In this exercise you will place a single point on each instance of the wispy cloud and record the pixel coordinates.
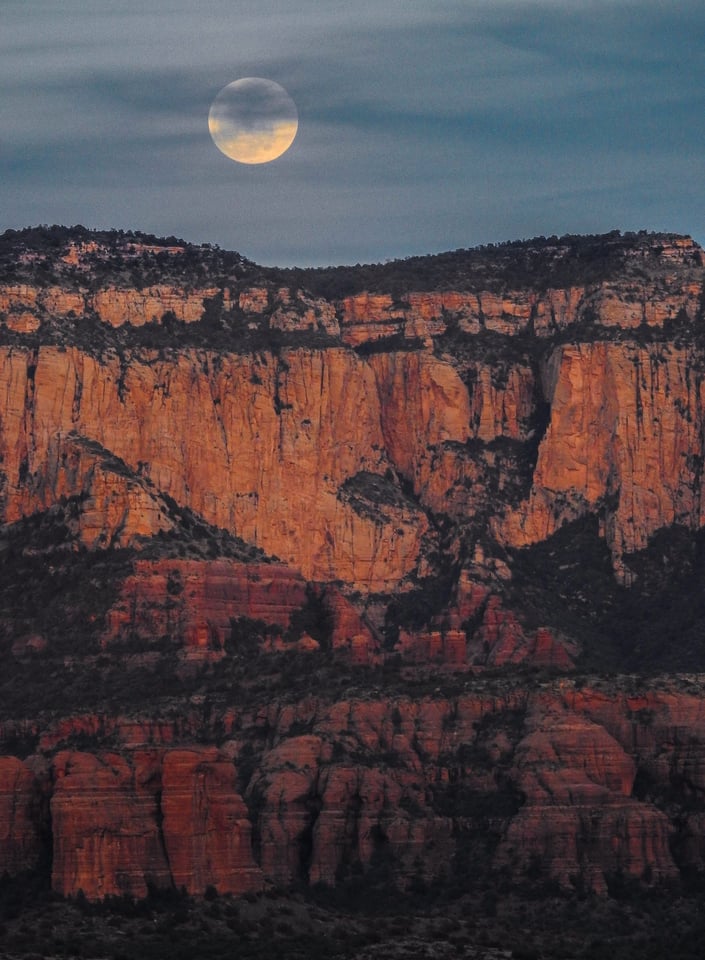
(422, 126)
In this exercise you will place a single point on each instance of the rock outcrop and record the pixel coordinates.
(280, 432)
(640, 466)
(573, 783)
(263, 566)
(257, 444)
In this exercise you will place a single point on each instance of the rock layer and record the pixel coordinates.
(259, 445)
(557, 775)
(277, 514)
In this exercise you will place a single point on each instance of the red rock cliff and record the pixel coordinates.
(261, 568)
(556, 775)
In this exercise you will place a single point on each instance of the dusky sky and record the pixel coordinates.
(423, 126)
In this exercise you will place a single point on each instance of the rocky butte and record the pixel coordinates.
(393, 571)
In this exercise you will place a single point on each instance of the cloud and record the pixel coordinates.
(421, 126)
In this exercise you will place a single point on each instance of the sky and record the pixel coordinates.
(424, 125)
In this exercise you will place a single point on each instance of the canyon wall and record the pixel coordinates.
(264, 445)
(265, 615)
(579, 780)
(263, 442)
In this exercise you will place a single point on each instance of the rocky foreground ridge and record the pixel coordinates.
(390, 570)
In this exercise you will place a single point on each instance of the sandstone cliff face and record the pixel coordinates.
(581, 822)
(266, 460)
(624, 439)
(207, 831)
(24, 307)
(352, 684)
(104, 826)
(259, 445)
(210, 609)
(279, 433)
(347, 465)
(112, 305)
(578, 781)
(624, 304)
(196, 602)
(123, 823)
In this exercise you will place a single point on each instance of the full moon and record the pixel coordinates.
(253, 120)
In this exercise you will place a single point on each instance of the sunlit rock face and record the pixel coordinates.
(312, 572)
(625, 430)
(262, 442)
(258, 444)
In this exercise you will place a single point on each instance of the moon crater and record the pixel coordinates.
(253, 120)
